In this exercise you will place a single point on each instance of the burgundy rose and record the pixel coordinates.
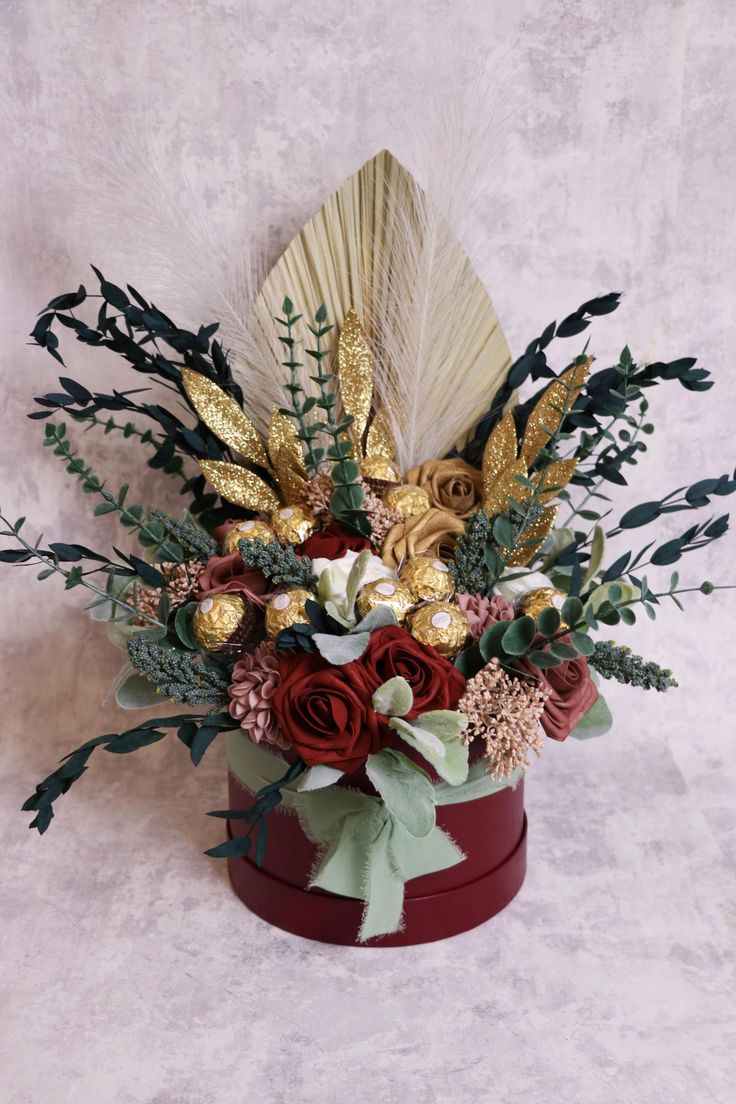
(229, 575)
(331, 543)
(571, 691)
(326, 711)
(483, 612)
(392, 653)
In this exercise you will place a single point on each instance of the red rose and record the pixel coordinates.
(331, 543)
(435, 682)
(572, 693)
(229, 575)
(326, 711)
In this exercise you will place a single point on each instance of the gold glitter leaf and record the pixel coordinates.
(533, 537)
(498, 455)
(507, 487)
(379, 441)
(285, 451)
(223, 416)
(355, 376)
(546, 415)
(240, 486)
(557, 475)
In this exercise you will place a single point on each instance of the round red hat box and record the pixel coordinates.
(491, 831)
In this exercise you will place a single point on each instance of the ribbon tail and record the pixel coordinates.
(383, 889)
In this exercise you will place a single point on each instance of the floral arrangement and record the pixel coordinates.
(359, 612)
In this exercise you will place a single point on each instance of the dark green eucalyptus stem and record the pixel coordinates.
(74, 577)
(348, 496)
(300, 409)
(132, 517)
(145, 436)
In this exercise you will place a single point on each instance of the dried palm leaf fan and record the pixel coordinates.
(381, 248)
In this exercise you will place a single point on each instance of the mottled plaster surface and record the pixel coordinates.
(131, 975)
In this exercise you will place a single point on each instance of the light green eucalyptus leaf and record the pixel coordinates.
(601, 593)
(405, 789)
(596, 722)
(394, 698)
(435, 736)
(339, 650)
(377, 618)
(318, 778)
(137, 692)
(597, 552)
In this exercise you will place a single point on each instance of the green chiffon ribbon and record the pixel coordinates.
(365, 852)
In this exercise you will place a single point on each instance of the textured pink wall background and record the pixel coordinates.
(131, 974)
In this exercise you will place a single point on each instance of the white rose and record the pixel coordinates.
(334, 575)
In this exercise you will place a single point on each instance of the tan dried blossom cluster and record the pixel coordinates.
(181, 579)
(504, 712)
(380, 516)
(317, 499)
(317, 496)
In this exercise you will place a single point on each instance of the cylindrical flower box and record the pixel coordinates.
(491, 831)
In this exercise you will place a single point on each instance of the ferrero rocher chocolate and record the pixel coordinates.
(428, 579)
(223, 623)
(535, 601)
(247, 530)
(287, 609)
(442, 625)
(407, 500)
(378, 467)
(293, 524)
(386, 592)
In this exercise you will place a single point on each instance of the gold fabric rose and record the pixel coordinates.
(434, 533)
(451, 484)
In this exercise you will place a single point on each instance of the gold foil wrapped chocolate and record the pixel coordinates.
(428, 579)
(380, 469)
(442, 625)
(386, 592)
(535, 601)
(287, 609)
(293, 524)
(407, 500)
(247, 530)
(223, 623)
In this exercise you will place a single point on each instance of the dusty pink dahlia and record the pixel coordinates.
(484, 612)
(255, 679)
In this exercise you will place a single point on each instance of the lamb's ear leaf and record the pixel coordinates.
(596, 722)
(339, 650)
(377, 618)
(394, 698)
(406, 790)
(355, 578)
(436, 737)
(318, 778)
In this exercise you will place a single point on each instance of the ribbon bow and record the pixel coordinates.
(367, 853)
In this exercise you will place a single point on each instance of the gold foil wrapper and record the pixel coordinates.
(355, 376)
(293, 524)
(238, 485)
(535, 601)
(386, 592)
(222, 622)
(223, 416)
(442, 625)
(287, 609)
(379, 468)
(407, 500)
(428, 579)
(247, 530)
